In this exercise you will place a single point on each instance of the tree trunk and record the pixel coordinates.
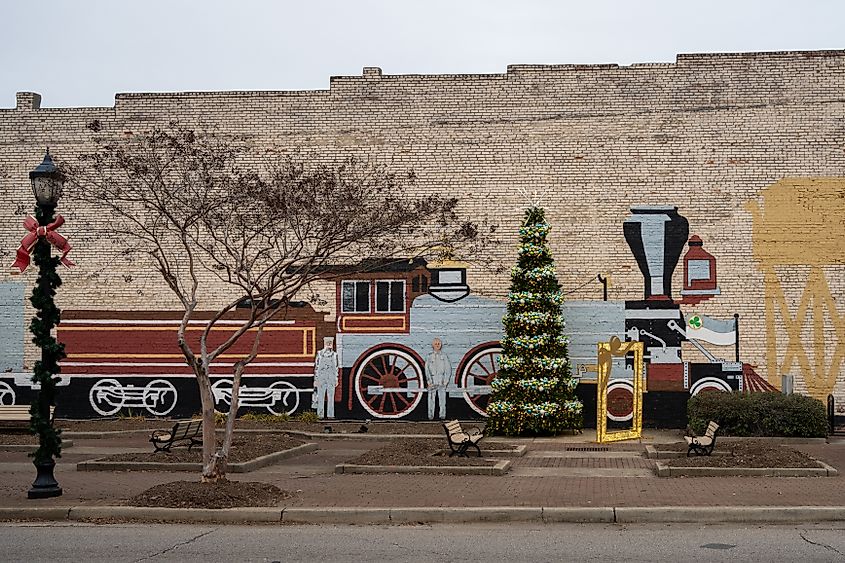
(223, 455)
(211, 471)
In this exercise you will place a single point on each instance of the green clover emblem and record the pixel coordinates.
(695, 322)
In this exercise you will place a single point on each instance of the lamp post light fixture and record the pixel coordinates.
(47, 184)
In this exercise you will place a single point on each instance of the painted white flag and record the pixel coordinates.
(714, 331)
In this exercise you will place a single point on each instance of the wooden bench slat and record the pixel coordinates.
(184, 430)
(18, 413)
(460, 440)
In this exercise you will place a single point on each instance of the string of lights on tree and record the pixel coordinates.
(534, 391)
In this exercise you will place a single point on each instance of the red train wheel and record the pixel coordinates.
(620, 400)
(393, 369)
(480, 368)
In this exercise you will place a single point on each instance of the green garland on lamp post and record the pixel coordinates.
(47, 183)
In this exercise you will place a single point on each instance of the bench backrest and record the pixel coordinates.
(711, 429)
(17, 412)
(453, 427)
(186, 429)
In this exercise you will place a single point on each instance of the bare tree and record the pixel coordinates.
(186, 200)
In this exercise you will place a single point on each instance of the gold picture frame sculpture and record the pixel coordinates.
(606, 352)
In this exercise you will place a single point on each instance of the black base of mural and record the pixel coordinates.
(178, 398)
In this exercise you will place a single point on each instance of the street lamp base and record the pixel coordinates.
(45, 485)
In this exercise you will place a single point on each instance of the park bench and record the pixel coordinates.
(183, 431)
(703, 445)
(17, 416)
(461, 440)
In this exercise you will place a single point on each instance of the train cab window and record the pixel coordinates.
(356, 297)
(390, 296)
(419, 284)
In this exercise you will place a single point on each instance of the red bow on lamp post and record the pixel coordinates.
(36, 231)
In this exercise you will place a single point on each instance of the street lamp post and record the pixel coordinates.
(47, 184)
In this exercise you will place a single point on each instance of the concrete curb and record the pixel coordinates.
(653, 453)
(30, 447)
(664, 470)
(500, 468)
(222, 515)
(93, 435)
(719, 514)
(245, 467)
(519, 451)
(420, 515)
(345, 435)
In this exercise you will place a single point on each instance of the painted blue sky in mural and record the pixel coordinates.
(80, 53)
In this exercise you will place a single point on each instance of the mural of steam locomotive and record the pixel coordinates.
(386, 322)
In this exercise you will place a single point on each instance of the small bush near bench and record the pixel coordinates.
(758, 414)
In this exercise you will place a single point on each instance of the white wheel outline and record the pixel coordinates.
(493, 348)
(294, 392)
(612, 386)
(709, 383)
(167, 386)
(116, 386)
(412, 361)
(222, 384)
(6, 391)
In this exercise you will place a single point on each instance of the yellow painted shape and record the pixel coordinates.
(801, 222)
(606, 352)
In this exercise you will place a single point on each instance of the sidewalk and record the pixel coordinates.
(551, 476)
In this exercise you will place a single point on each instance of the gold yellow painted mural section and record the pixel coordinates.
(801, 222)
(606, 352)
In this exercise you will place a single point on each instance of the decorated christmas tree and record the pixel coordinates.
(534, 391)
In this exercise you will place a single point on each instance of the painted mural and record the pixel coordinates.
(411, 341)
(799, 226)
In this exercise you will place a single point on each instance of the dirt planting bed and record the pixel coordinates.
(18, 439)
(113, 424)
(745, 453)
(435, 428)
(269, 423)
(416, 452)
(244, 448)
(223, 494)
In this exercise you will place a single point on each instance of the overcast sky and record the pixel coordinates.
(81, 52)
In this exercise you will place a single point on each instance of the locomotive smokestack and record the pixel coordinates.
(656, 235)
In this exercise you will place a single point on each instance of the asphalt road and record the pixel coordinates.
(91, 543)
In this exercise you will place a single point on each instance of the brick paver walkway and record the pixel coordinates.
(549, 476)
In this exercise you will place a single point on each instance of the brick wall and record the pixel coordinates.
(708, 134)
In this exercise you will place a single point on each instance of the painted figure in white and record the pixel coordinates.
(438, 371)
(325, 379)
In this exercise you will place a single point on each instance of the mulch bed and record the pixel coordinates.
(106, 424)
(415, 452)
(222, 494)
(375, 427)
(18, 439)
(748, 453)
(337, 427)
(243, 449)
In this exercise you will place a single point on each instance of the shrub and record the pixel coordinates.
(758, 414)
(307, 416)
(266, 417)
